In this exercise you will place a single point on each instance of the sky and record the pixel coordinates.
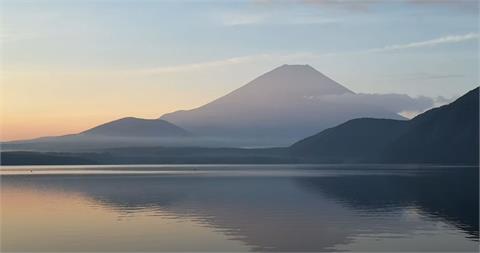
(68, 65)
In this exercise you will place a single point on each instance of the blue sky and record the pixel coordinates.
(167, 55)
(127, 34)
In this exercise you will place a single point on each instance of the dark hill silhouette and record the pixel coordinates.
(135, 127)
(447, 134)
(124, 132)
(352, 141)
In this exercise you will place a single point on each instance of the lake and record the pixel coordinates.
(240, 208)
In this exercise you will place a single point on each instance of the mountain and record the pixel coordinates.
(279, 107)
(125, 132)
(447, 134)
(444, 135)
(352, 141)
(135, 127)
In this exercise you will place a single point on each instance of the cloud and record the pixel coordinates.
(440, 100)
(391, 102)
(429, 76)
(410, 114)
(342, 4)
(368, 5)
(310, 20)
(465, 5)
(402, 104)
(236, 19)
(305, 57)
(225, 62)
(201, 65)
(436, 102)
(427, 43)
(422, 76)
(272, 18)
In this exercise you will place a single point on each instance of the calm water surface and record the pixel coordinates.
(239, 208)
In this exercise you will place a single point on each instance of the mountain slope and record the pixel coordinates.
(448, 134)
(125, 132)
(135, 127)
(277, 108)
(352, 141)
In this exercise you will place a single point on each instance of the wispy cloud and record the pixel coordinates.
(392, 102)
(308, 56)
(411, 112)
(415, 76)
(244, 19)
(235, 19)
(306, 20)
(201, 65)
(226, 62)
(427, 43)
(369, 5)
(403, 104)
(429, 76)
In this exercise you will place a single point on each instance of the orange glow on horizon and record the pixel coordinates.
(18, 129)
(42, 103)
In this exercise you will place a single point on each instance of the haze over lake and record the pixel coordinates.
(240, 208)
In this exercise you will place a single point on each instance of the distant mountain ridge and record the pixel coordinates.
(136, 127)
(279, 107)
(444, 135)
(447, 134)
(124, 132)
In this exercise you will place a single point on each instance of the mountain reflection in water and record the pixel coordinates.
(431, 208)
